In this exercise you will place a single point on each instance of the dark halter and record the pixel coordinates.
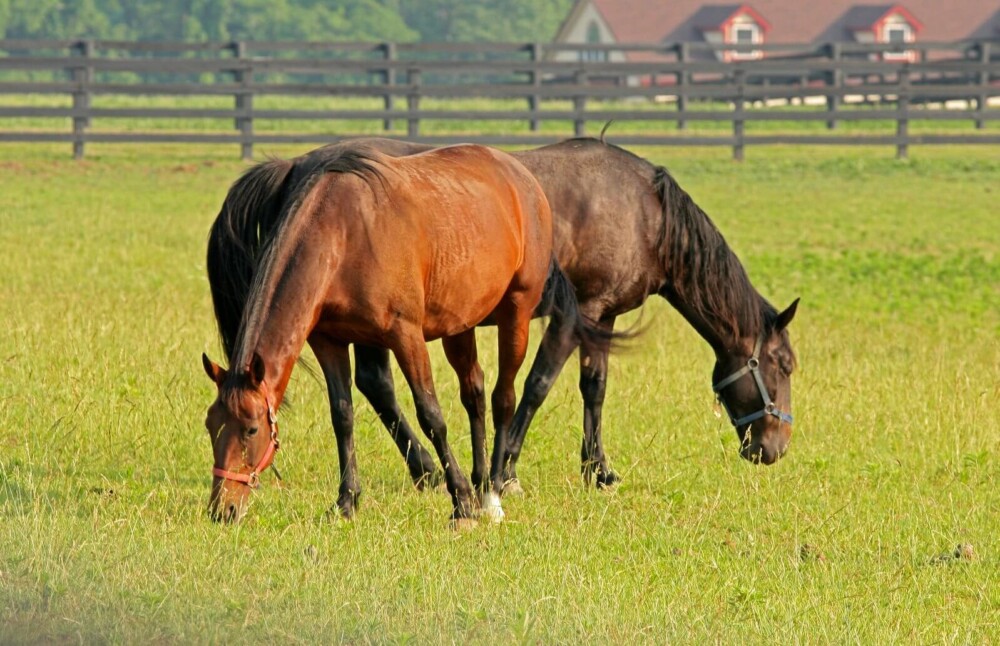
(752, 367)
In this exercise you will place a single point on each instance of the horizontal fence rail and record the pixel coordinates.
(403, 86)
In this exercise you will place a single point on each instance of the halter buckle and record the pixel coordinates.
(253, 480)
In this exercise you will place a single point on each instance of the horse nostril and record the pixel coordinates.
(230, 513)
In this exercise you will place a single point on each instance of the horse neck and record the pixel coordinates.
(282, 309)
(705, 281)
(716, 332)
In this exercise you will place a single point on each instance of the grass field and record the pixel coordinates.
(655, 125)
(104, 462)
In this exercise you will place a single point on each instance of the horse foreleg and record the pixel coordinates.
(462, 355)
(593, 381)
(411, 353)
(556, 346)
(335, 360)
(373, 376)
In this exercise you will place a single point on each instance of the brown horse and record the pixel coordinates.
(386, 252)
(623, 230)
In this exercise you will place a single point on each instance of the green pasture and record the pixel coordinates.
(895, 459)
(654, 125)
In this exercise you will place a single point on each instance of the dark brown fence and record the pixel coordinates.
(660, 88)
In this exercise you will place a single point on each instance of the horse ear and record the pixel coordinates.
(256, 372)
(786, 317)
(212, 369)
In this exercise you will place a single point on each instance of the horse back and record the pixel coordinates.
(435, 238)
(608, 221)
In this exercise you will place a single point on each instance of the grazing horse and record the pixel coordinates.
(386, 252)
(623, 230)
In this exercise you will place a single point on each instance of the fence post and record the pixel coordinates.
(579, 105)
(739, 76)
(683, 80)
(536, 80)
(82, 77)
(984, 82)
(835, 80)
(902, 106)
(244, 100)
(413, 103)
(389, 80)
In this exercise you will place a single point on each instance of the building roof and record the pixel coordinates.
(792, 21)
(716, 16)
(989, 28)
(866, 18)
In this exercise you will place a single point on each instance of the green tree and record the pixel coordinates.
(489, 20)
(294, 20)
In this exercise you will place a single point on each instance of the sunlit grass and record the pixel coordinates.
(104, 463)
(661, 120)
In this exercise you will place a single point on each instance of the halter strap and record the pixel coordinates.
(752, 367)
(252, 479)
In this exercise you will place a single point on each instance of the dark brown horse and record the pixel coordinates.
(386, 252)
(623, 230)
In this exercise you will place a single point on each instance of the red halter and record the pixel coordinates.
(252, 479)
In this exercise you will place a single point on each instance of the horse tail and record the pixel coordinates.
(559, 302)
(246, 221)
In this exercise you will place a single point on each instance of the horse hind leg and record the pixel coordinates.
(593, 382)
(335, 360)
(373, 376)
(411, 353)
(463, 356)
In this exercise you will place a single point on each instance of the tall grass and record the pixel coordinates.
(104, 463)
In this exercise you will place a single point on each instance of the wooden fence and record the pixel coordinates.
(669, 86)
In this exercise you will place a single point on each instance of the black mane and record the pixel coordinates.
(702, 271)
(249, 227)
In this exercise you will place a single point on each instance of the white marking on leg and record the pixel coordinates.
(490, 505)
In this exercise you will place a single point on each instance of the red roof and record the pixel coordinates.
(863, 18)
(790, 21)
(728, 14)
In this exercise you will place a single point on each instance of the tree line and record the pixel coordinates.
(285, 20)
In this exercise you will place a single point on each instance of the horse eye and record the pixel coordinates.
(251, 431)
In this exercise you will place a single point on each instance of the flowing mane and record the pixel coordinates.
(265, 281)
(702, 271)
(250, 229)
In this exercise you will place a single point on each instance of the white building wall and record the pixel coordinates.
(577, 33)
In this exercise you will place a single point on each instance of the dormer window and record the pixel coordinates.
(885, 24)
(732, 25)
(745, 34)
(897, 34)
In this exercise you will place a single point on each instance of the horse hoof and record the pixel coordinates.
(607, 481)
(513, 488)
(490, 507)
(461, 525)
(336, 515)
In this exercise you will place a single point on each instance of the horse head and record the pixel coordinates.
(752, 380)
(243, 428)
